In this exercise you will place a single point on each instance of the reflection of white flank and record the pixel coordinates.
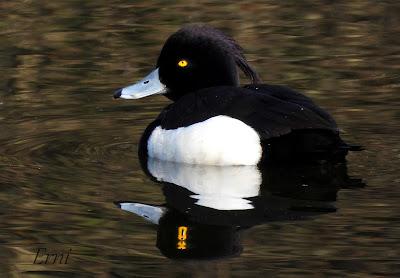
(150, 213)
(218, 187)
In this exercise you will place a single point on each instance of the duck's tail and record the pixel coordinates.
(351, 147)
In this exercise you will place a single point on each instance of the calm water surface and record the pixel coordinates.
(68, 151)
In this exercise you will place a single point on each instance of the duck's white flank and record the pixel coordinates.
(220, 140)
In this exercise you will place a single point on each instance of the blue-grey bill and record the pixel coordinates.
(148, 212)
(150, 85)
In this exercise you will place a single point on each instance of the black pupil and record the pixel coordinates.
(145, 82)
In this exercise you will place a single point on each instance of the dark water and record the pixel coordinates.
(68, 151)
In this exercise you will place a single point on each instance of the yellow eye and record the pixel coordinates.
(183, 63)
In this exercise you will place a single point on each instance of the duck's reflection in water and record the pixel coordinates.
(207, 206)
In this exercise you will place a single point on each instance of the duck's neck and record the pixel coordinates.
(214, 78)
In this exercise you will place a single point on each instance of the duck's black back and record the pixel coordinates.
(271, 110)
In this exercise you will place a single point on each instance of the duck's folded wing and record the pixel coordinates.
(289, 95)
(270, 115)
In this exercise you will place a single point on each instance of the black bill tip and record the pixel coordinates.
(117, 93)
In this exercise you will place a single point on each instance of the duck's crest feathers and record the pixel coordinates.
(207, 33)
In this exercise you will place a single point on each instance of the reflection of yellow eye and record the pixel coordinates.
(183, 63)
(182, 232)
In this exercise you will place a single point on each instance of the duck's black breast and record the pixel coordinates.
(272, 111)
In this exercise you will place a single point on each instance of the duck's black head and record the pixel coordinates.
(195, 57)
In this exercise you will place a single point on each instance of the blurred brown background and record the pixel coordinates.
(67, 150)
